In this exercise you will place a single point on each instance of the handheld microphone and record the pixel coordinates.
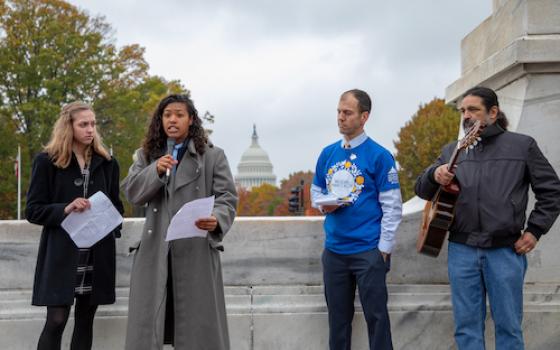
(170, 145)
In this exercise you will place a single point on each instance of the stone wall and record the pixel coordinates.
(274, 295)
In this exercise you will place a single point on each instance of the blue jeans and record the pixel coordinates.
(475, 273)
(341, 274)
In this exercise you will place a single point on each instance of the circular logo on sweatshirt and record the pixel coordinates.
(342, 183)
(345, 180)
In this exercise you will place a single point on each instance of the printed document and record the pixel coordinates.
(331, 199)
(91, 225)
(182, 224)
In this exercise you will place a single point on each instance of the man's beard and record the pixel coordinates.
(468, 123)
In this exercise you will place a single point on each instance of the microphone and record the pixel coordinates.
(170, 145)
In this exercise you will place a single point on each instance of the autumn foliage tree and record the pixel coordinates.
(292, 181)
(259, 201)
(269, 200)
(52, 53)
(420, 141)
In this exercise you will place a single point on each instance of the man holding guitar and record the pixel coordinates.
(489, 234)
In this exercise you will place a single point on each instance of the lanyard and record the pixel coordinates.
(85, 174)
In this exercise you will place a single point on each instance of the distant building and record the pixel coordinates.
(255, 167)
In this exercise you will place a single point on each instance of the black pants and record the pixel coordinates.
(341, 274)
(169, 327)
(57, 316)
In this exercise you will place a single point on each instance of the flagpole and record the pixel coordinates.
(19, 183)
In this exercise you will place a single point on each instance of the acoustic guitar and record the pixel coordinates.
(439, 212)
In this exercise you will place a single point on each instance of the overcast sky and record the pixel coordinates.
(283, 64)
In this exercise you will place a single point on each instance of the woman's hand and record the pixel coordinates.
(164, 163)
(207, 224)
(78, 205)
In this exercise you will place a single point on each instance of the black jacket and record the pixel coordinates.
(494, 178)
(50, 191)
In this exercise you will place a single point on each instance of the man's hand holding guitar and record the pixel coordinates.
(443, 176)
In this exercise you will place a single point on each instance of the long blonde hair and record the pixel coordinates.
(59, 147)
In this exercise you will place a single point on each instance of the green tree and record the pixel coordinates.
(421, 139)
(52, 53)
(8, 180)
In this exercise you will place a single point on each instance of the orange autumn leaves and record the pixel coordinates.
(269, 200)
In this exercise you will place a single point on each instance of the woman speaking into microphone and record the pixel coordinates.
(176, 288)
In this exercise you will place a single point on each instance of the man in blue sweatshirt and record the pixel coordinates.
(357, 187)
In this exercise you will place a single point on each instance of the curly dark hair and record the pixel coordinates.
(155, 141)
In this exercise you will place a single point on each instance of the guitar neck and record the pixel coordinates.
(453, 160)
(470, 138)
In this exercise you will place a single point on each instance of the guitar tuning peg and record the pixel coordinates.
(471, 146)
(475, 143)
(479, 138)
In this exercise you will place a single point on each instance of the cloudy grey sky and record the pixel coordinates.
(283, 64)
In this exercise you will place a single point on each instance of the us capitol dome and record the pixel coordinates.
(255, 167)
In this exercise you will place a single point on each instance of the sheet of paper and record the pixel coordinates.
(182, 224)
(331, 199)
(92, 225)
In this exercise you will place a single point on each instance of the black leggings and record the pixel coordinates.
(57, 316)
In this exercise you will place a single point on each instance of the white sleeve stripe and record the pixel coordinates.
(316, 193)
(391, 205)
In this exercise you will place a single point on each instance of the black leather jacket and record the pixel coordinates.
(494, 178)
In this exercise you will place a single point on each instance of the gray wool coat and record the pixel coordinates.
(198, 294)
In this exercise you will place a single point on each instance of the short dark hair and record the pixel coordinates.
(489, 100)
(364, 101)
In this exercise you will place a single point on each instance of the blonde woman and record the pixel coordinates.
(73, 166)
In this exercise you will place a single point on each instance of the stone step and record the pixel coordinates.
(15, 304)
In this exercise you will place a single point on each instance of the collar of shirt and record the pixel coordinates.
(177, 154)
(491, 130)
(176, 149)
(356, 141)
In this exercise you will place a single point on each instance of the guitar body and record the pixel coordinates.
(439, 212)
(436, 220)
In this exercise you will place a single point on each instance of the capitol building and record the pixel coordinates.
(255, 167)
